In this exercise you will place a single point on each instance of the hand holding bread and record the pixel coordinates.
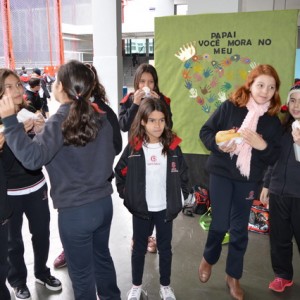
(225, 136)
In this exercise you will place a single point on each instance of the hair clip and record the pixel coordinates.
(78, 97)
(284, 108)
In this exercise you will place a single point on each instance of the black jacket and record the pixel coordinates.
(18, 177)
(129, 109)
(229, 116)
(131, 180)
(113, 120)
(34, 100)
(283, 178)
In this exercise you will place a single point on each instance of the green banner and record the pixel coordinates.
(201, 59)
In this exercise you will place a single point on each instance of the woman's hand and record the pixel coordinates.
(296, 135)
(7, 107)
(38, 123)
(253, 139)
(264, 197)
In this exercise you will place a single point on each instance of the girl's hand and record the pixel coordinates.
(7, 107)
(228, 147)
(39, 123)
(137, 96)
(154, 95)
(28, 124)
(253, 139)
(264, 197)
(2, 140)
(296, 135)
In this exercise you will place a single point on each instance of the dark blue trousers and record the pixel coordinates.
(284, 225)
(4, 292)
(35, 207)
(84, 232)
(141, 229)
(231, 203)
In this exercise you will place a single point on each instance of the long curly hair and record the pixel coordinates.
(138, 132)
(99, 92)
(241, 96)
(82, 123)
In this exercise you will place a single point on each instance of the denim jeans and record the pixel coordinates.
(84, 232)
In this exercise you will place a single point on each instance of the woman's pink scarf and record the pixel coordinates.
(244, 150)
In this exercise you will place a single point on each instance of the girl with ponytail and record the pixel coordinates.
(76, 147)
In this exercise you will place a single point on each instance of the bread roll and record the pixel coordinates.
(227, 135)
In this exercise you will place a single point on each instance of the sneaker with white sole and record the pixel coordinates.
(50, 282)
(22, 292)
(166, 293)
(135, 293)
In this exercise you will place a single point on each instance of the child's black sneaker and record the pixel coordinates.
(22, 292)
(50, 282)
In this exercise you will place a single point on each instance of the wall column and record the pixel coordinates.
(107, 41)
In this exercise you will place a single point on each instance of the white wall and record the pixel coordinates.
(212, 6)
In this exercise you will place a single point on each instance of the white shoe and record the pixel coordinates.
(166, 293)
(134, 293)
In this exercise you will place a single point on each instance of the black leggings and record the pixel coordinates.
(141, 229)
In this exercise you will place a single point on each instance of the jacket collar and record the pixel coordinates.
(124, 100)
(176, 141)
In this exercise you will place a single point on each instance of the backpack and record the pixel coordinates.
(197, 202)
(259, 218)
(204, 222)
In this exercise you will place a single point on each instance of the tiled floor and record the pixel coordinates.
(188, 242)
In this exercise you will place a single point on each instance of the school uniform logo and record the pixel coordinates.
(153, 160)
(174, 167)
(250, 196)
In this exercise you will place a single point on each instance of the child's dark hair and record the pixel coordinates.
(288, 119)
(82, 123)
(138, 133)
(145, 68)
(34, 81)
(98, 92)
(241, 96)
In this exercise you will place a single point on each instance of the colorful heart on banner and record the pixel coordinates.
(208, 79)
